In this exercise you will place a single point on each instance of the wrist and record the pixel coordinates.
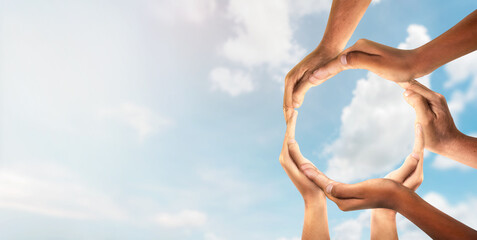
(330, 50)
(383, 214)
(449, 146)
(404, 198)
(420, 66)
(315, 202)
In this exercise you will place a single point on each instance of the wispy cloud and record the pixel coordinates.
(460, 71)
(54, 191)
(185, 218)
(233, 83)
(142, 119)
(263, 36)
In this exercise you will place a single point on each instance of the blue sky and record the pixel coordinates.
(163, 119)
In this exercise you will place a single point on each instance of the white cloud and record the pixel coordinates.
(193, 11)
(292, 238)
(183, 219)
(460, 71)
(444, 163)
(53, 191)
(142, 119)
(352, 228)
(417, 36)
(377, 128)
(302, 8)
(211, 236)
(233, 83)
(263, 33)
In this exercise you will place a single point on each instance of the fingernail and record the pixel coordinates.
(296, 105)
(291, 140)
(343, 59)
(329, 187)
(407, 93)
(415, 155)
(318, 74)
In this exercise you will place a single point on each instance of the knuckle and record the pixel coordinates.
(362, 41)
(281, 159)
(441, 98)
(351, 58)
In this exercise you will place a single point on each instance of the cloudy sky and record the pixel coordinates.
(163, 119)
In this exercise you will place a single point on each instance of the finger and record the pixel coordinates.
(312, 173)
(300, 90)
(417, 87)
(286, 161)
(406, 169)
(287, 96)
(418, 149)
(290, 133)
(344, 191)
(295, 153)
(364, 54)
(362, 60)
(420, 105)
(416, 178)
(328, 70)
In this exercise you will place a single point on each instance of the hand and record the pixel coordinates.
(390, 63)
(410, 174)
(310, 191)
(374, 193)
(433, 113)
(297, 81)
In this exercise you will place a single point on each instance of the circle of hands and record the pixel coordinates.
(434, 125)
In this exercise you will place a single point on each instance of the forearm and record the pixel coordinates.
(456, 42)
(461, 148)
(431, 220)
(316, 221)
(343, 20)
(383, 224)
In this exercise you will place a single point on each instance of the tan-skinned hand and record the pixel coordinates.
(374, 193)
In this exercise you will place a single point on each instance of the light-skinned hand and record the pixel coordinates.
(374, 193)
(298, 82)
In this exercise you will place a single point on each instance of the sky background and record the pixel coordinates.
(163, 119)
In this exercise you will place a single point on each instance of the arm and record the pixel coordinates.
(441, 134)
(389, 194)
(410, 174)
(404, 65)
(431, 220)
(456, 42)
(316, 219)
(344, 17)
(386, 193)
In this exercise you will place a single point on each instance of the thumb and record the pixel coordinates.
(328, 70)
(420, 105)
(362, 60)
(344, 191)
(346, 60)
(312, 173)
